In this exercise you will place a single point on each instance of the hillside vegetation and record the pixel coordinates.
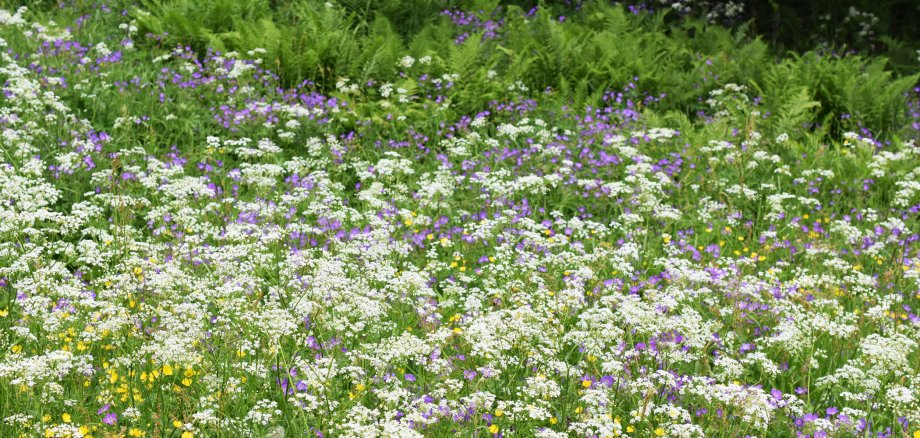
(292, 218)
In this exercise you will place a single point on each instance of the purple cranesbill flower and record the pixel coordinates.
(110, 418)
(777, 394)
(409, 377)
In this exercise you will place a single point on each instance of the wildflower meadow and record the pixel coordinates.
(260, 218)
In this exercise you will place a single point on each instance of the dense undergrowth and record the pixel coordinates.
(574, 58)
(296, 218)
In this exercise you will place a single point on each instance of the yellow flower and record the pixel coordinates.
(135, 432)
(66, 418)
(499, 412)
(187, 382)
(187, 434)
(177, 424)
(167, 370)
(493, 429)
(659, 432)
(553, 420)
(586, 383)
(917, 433)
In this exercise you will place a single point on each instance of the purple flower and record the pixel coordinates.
(410, 377)
(110, 418)
(777, 394)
